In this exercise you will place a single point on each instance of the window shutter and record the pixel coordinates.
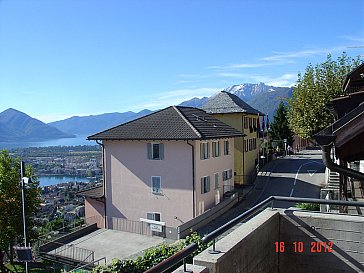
(230, 174)
(149, 149)
(208, 184)
(161, 151)
(208, 150)
(201, 151)
(202, 185)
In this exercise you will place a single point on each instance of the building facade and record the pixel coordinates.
(166, 168)
(233, 111)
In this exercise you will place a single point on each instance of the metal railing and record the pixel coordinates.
(188, 250)
(74, 253)
(84, 267)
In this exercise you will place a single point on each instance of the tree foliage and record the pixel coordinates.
(279, 129)
(11, 228)
(319, 84)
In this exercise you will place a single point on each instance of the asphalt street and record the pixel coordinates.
(299, 175)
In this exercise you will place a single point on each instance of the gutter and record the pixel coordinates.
(104, 179)
(193, 179)
(326, 158)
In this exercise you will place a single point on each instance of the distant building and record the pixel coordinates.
(165, 168)
(233, 111)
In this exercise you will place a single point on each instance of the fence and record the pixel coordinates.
(137, 227)
(74, 253)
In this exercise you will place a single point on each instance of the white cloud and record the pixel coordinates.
(290, 56)
(285, 80)
(175, 97)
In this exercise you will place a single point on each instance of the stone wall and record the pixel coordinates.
(249, 248)
(329, 243)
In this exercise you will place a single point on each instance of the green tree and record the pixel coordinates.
(279, 129)
(319, 84)
(11, 228)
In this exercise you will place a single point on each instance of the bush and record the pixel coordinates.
(309, 206)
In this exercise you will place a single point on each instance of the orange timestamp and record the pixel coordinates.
(299, 247)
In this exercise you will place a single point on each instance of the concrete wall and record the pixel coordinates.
(203, 219)
(255, 245)
(344, 231)
(94, 212)
(248, 249)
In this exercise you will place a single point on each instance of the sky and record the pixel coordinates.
(64, 58)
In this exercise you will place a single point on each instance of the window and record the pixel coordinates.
(250, 144)
(155, 151)
(216, 181)
(246, 145)
(226, 175)
(155, 216)
(216, 148)
(204, 150)
(205, 184)
(156, 184)
(226, 147)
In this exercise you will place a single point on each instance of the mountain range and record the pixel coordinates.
(262, 97)
(18, 126)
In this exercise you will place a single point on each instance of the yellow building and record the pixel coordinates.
(233, 111)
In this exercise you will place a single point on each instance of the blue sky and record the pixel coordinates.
(64, 58)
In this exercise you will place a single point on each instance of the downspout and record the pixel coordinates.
(104, 179)
(193, 179)
(326, 158)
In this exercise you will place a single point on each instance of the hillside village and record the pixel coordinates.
(170, 171)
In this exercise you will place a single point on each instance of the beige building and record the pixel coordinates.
(233, 111)
(165, 168)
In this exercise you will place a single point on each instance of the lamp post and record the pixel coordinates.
(24, 181)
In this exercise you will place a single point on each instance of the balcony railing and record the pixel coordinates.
(187, 251)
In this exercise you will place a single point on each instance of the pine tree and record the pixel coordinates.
(279, 129)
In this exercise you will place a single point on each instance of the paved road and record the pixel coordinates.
(298, 175)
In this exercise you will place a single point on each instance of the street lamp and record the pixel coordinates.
(24, 253)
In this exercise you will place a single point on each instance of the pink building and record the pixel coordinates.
(166, 168)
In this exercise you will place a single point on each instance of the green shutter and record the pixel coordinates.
(161, 151)
(202, 186)
(149, 149)
(201, 151)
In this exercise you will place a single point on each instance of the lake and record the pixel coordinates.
(57, 179)
(78, 140)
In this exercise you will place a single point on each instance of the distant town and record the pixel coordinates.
(60, 205)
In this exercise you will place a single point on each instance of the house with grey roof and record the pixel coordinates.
(233, 111)
(165, 168)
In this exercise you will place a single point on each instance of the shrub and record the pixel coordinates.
(309, 206)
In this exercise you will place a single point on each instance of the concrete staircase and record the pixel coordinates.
(334, 181)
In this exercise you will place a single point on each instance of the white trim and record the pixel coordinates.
(152, 222)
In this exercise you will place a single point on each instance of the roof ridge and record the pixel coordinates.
(187, 121)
